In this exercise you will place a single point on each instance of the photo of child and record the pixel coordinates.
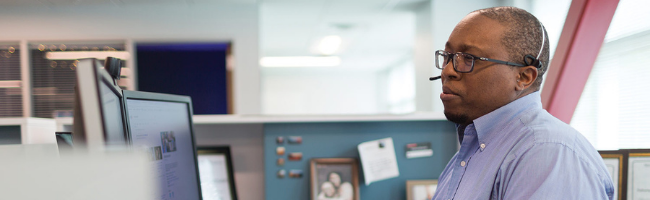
(335, 182)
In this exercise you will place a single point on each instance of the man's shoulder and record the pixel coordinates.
(545, 128)
(552, 137)
(545, 133)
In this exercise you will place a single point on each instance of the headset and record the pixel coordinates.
(534, 61)
(529, 60)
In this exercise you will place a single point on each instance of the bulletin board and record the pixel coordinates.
(340, 140)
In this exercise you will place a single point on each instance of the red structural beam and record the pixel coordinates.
(584, 33)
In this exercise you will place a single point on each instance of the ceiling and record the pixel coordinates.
(51, 3)
(376, 33)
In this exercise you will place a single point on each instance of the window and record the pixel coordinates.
(53, 81)
(613, 111)
(11, 98)
(401, 88)
(552, 13)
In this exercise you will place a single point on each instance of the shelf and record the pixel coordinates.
(13, 121)
(261, 119)
(17, 121)
(253, 119)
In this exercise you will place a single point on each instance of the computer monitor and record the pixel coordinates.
(216, 172)
(161, 125)
(99, 122)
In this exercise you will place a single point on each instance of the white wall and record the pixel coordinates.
(314, 91)
(236, 22)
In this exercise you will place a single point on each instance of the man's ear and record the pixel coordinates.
(526, 77)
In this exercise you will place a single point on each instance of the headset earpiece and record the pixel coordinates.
(532, 61)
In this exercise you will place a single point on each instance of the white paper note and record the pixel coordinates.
(378, 160)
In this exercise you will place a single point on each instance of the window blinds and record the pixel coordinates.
(614, 109)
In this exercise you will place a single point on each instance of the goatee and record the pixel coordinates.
(457, 118)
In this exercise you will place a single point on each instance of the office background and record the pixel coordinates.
(385, 56)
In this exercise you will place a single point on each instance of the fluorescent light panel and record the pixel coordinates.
(300, 61)
(74, 55)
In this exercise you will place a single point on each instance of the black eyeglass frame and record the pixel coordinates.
(445, 53)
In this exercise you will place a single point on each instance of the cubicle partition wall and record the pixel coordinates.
(340, 140)
(253, 142)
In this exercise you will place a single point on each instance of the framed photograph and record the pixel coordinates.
(638, 183)
(216, 173)
(421, 189)
(615, 161)
(334, 179)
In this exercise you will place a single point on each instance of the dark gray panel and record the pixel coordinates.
(10, 135)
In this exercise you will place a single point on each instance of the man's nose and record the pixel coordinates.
(448, 72)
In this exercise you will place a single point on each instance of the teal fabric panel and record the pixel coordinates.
(340, 140)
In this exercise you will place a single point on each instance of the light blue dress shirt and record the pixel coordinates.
(520, 151)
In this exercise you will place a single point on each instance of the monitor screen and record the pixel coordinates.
(163, 129)
(112, 115)
(99, 120)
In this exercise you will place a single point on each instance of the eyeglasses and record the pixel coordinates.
(464, 62)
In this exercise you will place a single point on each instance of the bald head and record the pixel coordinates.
(522, 36)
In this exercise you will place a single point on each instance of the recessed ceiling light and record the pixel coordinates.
(330, 44)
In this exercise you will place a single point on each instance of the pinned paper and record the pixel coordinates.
(378, 160)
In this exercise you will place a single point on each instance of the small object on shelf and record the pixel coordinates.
(279, 140)
(295, 156)
(295, 139)
(418, 150)
(280, 151)
(295, 173)
(282, 173)
(280, 161)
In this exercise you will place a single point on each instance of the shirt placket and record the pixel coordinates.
(464, 154)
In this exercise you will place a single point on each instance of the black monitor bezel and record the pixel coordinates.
(104, 78)
(150, 96)
(207, 150)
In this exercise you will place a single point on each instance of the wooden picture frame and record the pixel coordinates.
(616, 163)
(638, 170)
(420, 188)
(334, 178)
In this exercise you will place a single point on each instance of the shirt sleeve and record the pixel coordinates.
(549, 171)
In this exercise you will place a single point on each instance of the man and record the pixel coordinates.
(511, 148)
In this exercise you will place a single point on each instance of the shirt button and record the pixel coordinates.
(483, 146)
(462, 163)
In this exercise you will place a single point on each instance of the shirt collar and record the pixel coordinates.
(487, 125)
